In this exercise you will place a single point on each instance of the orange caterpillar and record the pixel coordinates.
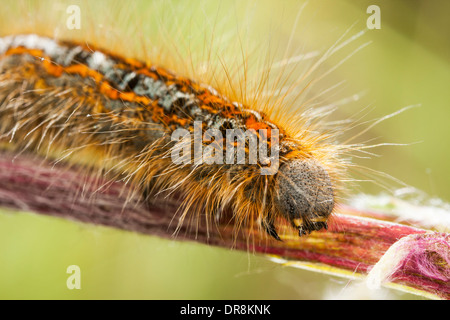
(70, 97)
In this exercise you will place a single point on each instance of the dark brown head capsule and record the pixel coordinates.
(304, 196)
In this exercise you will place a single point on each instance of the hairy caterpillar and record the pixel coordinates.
(68, 96)
(77, 103)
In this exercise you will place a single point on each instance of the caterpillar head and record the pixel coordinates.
(304, 195)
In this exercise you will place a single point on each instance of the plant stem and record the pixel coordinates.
(355, 241)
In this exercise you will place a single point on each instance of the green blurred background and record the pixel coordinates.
(406, 63)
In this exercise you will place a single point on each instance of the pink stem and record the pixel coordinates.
(355, 241)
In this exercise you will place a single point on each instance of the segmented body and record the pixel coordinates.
(70, 101)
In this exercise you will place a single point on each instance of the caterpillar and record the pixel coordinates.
(134, 35)
(68, 96)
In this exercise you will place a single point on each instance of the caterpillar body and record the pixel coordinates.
(66, 100)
